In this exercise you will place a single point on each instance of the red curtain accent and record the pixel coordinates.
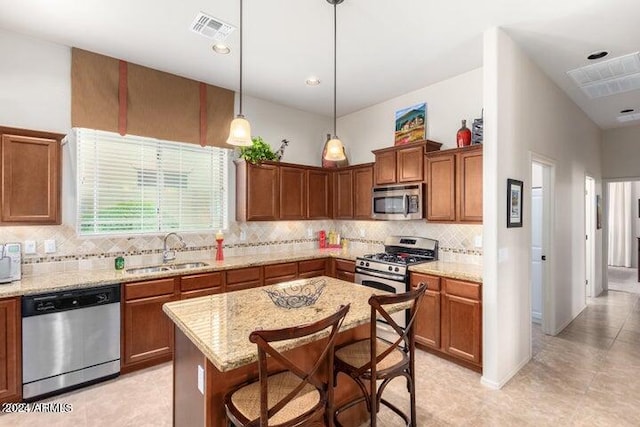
(122, 99)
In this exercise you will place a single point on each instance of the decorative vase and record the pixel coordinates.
(463, 137)
(219, 253)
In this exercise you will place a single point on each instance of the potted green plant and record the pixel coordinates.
(258, 151)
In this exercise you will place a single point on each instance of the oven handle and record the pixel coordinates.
(380, 275)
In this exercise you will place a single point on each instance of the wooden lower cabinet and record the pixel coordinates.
(278, 273)
(345, 270)
(10, 350)
(147, 333)
(449, 322)
(200, 285)
(312, 268)
(244, 278)
(462, 320)
(428, 320)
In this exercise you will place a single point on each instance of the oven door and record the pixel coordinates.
(376, 281)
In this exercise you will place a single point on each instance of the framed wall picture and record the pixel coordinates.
(514, 203)
(411, 124)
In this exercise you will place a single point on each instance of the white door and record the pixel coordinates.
(536, 254)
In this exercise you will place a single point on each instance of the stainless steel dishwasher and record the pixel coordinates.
(69, 339)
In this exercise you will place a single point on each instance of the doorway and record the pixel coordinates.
(541, 226)
(590, 233)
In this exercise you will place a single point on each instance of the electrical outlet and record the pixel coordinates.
(49, 246)
(362, 232)
(243, 235)
(201, 379)
(29, 247)
(477, 241)
(309, 233)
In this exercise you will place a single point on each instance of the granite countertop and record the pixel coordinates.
(52, 282)
(452, 270)
(219, 325)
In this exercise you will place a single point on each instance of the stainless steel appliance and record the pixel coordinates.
(10, 262)
(397, 202)
(389, 271)
(69, 339)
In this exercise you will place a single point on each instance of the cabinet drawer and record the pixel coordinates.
(201, 281)
(280, 270)
(149, 288)
(432, 282)
(244, 278)
(312, 265)
(201, 292)
(463, 289)
(345, 265)
(346, 276)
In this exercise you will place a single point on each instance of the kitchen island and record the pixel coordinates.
(213, 352)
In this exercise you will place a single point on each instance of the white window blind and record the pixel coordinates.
(131, 184)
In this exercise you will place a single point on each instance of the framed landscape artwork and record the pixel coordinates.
(411, 124)
(514, 203)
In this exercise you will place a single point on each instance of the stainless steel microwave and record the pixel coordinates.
(397, 202)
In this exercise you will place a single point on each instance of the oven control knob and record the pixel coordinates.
(390, 268)
(366, 265)
(361, 262)
(396, 269)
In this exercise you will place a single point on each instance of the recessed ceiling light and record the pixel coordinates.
(627, 110)
(313, 81)
(222, 49)
(597, 55)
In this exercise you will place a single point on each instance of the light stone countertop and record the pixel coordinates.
(219, 325)
(52, 282)
(452, 270)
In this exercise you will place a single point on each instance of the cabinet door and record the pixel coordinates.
(30, 172)
(244, 278)
(410, 164)
(10, 350)
(441, 202)
(293, 193)
(462, 320)
(278, 273)
(362, 185)
(148, 332)
(385, 168)
(470, 185)
(428, 319)
(318, 194)
(262, 189)
(345, 270)
(343, 195)
(312, 268)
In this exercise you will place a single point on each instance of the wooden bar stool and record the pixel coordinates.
(292, 396)
(391, 359)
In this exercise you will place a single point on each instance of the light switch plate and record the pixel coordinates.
(29, 247)
(49, 246)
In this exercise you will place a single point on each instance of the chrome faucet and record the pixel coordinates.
(170, 255)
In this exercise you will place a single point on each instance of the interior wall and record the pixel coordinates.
(621, 153)
(526, 115)
(635, 221)
(448, 102)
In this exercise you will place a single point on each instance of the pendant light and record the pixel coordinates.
(240, 129)
(335, 149)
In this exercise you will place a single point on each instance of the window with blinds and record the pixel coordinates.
(130, 184)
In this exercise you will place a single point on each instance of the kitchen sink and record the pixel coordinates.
(159, 268)
(152, 269)
(188, 265)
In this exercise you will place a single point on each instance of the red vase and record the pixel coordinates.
(463, 136)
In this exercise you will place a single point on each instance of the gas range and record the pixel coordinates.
(400, 253)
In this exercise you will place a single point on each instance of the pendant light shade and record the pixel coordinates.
(240, 129)
(335, 149)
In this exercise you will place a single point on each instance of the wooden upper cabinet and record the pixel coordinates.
(470, 185)
(403, 163)
(410, 164)
(30, 177)
(293, 193)
(385, 168)
(257, 192)
(318, 194)
(343, 194)
(10, 350)
(441, 188)
(362, 185)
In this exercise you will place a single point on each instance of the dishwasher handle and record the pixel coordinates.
(37, 305)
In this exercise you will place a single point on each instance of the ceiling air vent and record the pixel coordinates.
(628, 117)
(616, 75)
(211, 27)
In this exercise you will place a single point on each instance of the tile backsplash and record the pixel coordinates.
(457, 242)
